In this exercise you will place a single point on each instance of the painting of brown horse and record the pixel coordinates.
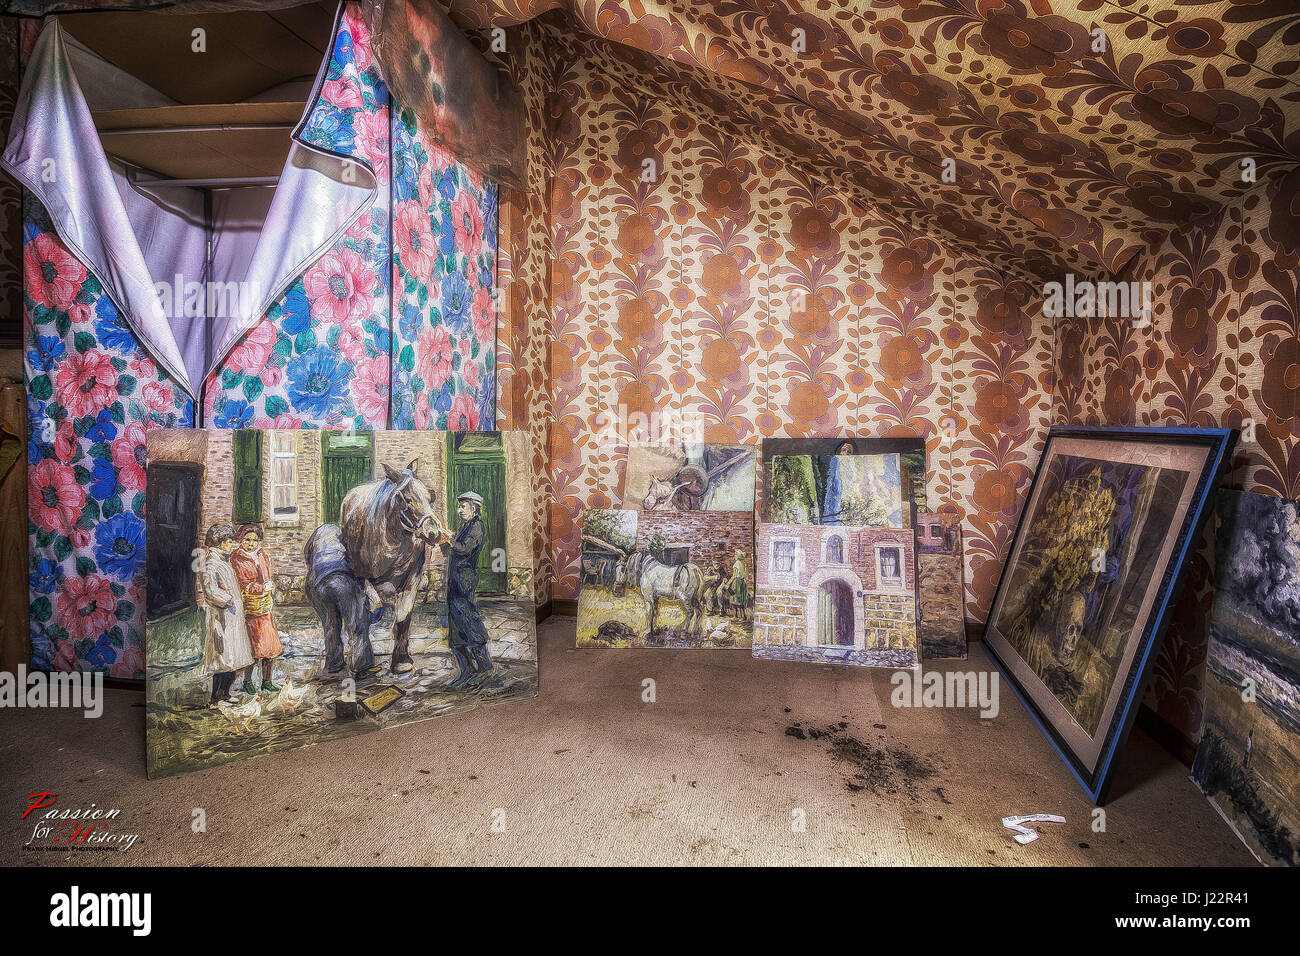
(386, 528)
(368, 585)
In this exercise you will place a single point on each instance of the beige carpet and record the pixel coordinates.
(588, 773)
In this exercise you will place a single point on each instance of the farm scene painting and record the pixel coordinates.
(309, 585)
(1248, 760)
(689, 476)
(666, 579)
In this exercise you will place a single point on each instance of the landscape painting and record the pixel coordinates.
(304, 586)
(1097, 558)
(689, 476)
(836, 594)
(1248, 760)
(865, 490)
(666, 579)
(940, 589)
(802, 492)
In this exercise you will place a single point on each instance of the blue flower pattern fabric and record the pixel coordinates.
(93, 392)
(336, 350)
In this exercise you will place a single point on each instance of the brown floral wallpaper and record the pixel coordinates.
(738, 288)
(524, 333)
(761, 288)
(1082, 132)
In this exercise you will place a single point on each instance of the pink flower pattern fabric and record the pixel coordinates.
(93, 392)
(444, 277)
(321, 357)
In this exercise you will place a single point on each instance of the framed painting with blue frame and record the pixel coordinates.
(1095, 567)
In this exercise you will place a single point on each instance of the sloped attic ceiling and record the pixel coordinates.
(1070, 154)
(721, 103)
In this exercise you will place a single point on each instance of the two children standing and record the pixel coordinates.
(241, 634)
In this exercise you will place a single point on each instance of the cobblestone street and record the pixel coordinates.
(185, 730)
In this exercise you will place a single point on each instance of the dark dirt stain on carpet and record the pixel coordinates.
(882, 770)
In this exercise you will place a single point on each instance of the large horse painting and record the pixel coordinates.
(308, 585)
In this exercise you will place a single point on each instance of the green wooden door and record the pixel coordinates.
(476, 462)
(248, 476)
(346, 461)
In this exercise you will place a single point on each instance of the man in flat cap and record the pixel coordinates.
(466, 634)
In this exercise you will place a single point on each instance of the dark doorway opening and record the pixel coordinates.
(172, 531)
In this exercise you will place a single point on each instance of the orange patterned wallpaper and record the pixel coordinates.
(524, 296)
(735, 288)
(1083, 131)
(739, 288)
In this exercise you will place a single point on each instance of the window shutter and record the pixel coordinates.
(248, 477)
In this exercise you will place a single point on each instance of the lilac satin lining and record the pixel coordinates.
(138, 242)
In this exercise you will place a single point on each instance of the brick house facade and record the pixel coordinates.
(836, 592)
(292, 494)
(937, 531)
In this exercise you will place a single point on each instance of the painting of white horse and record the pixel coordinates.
(666, 579)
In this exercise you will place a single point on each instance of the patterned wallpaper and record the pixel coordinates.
(683, 293)
(736, 288)
(524, 294)
(1082, 131)
(1223, 349)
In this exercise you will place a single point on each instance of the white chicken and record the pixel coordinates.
(291, 696)
(241, 715)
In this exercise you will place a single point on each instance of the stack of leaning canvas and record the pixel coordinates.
(845, 546)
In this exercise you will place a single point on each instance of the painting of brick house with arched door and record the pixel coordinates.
(836, 594)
